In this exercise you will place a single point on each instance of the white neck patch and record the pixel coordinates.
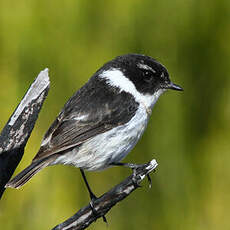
(116, 78)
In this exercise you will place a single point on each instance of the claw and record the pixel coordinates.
(94, 211)
(149, 180)
(105, 220)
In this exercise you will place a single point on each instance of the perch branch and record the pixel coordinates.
(85, 216)
(16, 132)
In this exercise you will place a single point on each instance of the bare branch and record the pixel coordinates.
(16, 132)
(85, 216)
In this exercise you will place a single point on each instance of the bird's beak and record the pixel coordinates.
(174, 87)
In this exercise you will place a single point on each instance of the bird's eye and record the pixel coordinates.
(148, 76)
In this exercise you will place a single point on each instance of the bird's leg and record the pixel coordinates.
(92, 196)
(134, 169)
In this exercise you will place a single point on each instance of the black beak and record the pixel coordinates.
(174, 87)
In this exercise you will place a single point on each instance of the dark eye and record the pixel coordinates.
(148, 76)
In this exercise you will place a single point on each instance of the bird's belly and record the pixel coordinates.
(111, 146)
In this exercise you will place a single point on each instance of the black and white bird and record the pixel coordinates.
(102, 122)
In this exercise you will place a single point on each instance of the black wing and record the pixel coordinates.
(92, 110)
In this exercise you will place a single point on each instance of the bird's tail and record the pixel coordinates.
(26, 174)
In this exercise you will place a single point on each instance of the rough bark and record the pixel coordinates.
(16, 132)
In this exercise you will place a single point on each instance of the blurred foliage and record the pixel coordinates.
(188, 133)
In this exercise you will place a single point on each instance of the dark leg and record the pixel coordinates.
(92, 196)
(134, 168)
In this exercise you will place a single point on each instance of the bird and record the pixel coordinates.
(103, 121)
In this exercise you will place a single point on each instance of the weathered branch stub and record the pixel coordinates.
(16, 132)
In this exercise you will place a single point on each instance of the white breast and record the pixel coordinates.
(111, 146)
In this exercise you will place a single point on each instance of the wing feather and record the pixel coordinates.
(93, 109)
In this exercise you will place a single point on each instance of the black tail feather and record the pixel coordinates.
(25, 175)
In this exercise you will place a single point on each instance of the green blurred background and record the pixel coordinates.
(188, 132)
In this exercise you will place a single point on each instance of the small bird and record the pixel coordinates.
(102, 122)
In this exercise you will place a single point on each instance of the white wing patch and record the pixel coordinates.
(81, 118)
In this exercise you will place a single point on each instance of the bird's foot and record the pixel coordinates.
(134, 168)
(150, 181)
(93, 198)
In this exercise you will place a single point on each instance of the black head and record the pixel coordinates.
(147, 74)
